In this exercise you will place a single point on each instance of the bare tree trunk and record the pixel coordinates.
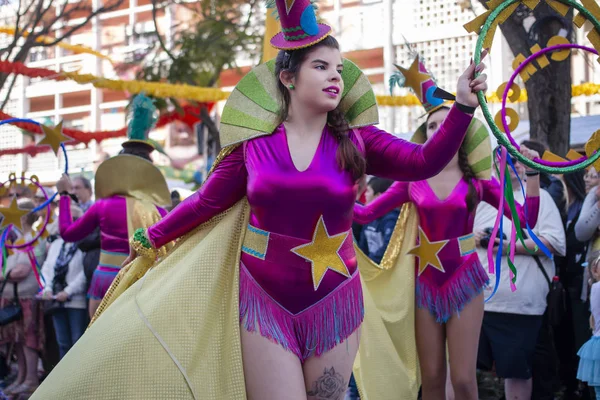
(549, 89)
(9, 91)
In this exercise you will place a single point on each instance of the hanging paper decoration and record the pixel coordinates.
(11, 216)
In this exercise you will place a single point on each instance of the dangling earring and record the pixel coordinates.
(292, 87)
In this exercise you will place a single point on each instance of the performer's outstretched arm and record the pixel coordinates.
(398, 159)
(72, 231)
(396, 195)
(223, 188)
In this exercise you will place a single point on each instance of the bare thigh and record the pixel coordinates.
(463, 342)
(270, 371)
(431, 347)
(326, 377)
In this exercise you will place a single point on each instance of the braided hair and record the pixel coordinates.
(468, 176)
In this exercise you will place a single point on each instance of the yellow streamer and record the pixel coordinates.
(77, 49)
(155, 89)
(209, 95)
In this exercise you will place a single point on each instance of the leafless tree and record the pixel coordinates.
(32, 19)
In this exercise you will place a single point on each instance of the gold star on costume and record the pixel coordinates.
(428, 252)
(322, 252)
(415, 78)
(12, 215)
(54, 137)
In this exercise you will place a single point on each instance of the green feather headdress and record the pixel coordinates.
(142, 116)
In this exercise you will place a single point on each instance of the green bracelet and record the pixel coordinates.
(140, 236)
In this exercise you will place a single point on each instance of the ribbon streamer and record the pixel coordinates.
(210, 95)
(498, 225)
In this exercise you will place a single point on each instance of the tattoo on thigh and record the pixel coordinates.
(330, 386)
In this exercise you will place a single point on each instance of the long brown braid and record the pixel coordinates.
(468, 176)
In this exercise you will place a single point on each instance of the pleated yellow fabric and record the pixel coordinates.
(386, 367)
(174, 334)
(140, 214)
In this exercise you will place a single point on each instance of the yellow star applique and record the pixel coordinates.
(428, 252)
(415, 78)
(323, 253)
(12, 215)
(54, 137)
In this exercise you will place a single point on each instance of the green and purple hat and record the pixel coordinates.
(418, 78)
(299, 26)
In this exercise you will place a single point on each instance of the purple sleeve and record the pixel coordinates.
(395, 158)
(72, 231)
(224, 187)
(491, 195)
(394, 197)
(162, 211)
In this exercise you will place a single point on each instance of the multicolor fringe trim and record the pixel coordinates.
(101, 280)
(313, 331)
(466, 283)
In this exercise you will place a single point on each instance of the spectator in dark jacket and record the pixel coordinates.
(376, 235)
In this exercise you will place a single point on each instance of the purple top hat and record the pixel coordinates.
(299, 27)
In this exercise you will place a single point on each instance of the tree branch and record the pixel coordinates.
(18, 18)
(46, 27)
(17, 33)
(75, 28)
(247, 24)
(9, 91)
(33, 20)
(159, 37)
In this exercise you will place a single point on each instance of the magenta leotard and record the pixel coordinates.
(445, 293)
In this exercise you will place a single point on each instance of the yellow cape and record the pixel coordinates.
(386, 367)
(174, 334)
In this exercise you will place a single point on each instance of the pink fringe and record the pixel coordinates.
(100, 283)
(466, 283)
(314, 331)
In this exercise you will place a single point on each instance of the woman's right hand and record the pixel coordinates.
(64, 184)
(468, 85)
(132, 256)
